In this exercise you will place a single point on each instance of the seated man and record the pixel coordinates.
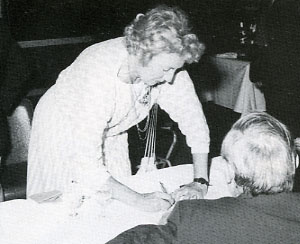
(260, 151)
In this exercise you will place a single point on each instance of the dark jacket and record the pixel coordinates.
(262, 219)
(14, 81)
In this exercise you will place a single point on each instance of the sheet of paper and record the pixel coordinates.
(46, 196)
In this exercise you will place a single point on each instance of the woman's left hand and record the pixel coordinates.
(192, 190)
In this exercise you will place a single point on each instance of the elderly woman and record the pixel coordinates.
(79, 137)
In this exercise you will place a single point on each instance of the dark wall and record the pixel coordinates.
(42, 19)
(214, 21)
(48, 61)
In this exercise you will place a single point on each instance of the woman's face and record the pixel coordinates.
(160, 69)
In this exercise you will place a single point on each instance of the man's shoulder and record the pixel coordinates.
(262, 219)
(190, 210)
(285, 203)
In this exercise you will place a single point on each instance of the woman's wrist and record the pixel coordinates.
(202, 181)
(200, 165)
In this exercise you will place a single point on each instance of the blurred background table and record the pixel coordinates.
(231, 87)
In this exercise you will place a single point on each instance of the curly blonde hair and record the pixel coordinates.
(262, 152)
(162, 29)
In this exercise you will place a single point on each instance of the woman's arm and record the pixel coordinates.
(182, 104)
(150, 202)
(180, 101)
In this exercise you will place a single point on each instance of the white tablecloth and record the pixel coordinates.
(233, 89)
(25, 221)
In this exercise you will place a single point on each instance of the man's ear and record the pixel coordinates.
(297, 161)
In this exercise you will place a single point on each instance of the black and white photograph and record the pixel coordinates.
(149, 121)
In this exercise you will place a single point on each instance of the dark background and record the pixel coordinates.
(216, 22)
(42, 19)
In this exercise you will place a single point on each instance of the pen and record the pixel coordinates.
(163, 188)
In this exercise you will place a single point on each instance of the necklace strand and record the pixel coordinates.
(146, 100)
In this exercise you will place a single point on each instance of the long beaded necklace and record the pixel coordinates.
(145, 100)
(148, 162)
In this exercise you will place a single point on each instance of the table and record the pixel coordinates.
(232, 88)
(26, 221)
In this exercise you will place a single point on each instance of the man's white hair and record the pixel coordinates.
(261, 150)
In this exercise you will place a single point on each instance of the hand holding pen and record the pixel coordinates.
(164, 190)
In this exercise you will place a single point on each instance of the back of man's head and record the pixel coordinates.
(261, 150)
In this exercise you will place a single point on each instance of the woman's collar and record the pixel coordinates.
(126, 72)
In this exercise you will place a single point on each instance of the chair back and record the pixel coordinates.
(20, 125)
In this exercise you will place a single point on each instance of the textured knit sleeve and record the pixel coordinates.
(181, 102)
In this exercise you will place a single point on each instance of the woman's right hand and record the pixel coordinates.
(154, 202)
